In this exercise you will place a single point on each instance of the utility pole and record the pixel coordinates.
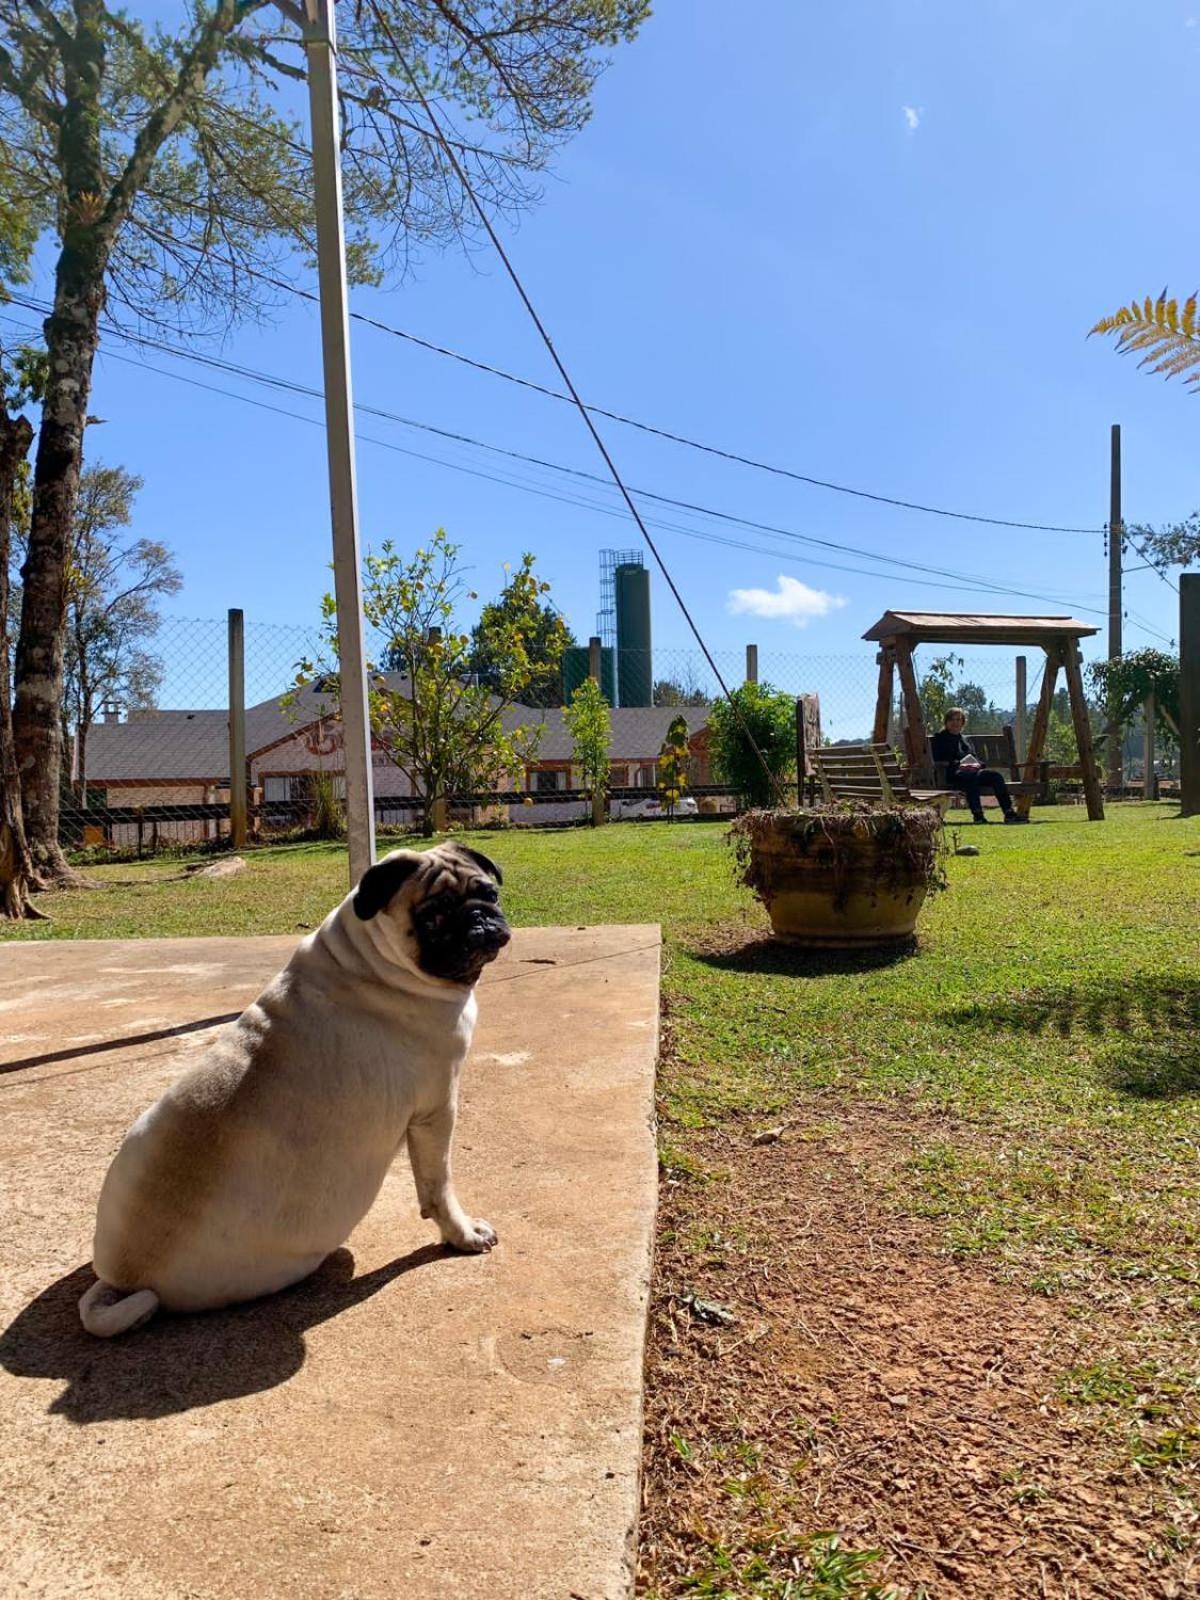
(320, 47)
(1116, 771)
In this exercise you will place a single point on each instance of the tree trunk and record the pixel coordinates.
(72, 335)
(17, 877)
(71, 341)
(92, 211)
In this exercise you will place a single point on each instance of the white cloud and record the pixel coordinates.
(912, 117)
(792, 602)
(1192, 22)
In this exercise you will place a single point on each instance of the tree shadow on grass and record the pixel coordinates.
(1147, 1028)
(180, 1363)
(772, 958)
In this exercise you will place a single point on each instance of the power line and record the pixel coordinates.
(971, 581)
(668, 434)
(1157, 570)
(711, 449)
(773, 779)
(528, 487)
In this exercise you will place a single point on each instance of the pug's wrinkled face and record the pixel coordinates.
(450, 903)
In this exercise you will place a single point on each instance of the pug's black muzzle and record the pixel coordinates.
(457, 938)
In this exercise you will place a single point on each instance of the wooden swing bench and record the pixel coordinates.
(872, 773)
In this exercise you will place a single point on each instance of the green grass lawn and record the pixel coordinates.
(1046, 1029)
(1055, 993)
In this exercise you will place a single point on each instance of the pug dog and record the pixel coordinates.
(258, 1162)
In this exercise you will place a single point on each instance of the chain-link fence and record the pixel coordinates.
(146, 777)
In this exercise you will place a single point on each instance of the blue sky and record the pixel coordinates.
(863, 241)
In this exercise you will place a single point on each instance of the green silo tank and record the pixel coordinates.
(635, 670)
(575, 670)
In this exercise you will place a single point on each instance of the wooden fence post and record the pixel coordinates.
(1189, 693)
(751, 663)
(1149, 781)
(1019, 713)
(237, 730)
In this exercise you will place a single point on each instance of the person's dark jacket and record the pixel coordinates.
(950, 748)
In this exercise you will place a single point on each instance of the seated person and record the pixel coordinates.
(965, 771)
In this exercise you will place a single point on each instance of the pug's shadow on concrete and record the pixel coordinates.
(180, 1363)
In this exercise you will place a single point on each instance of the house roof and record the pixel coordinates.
(638, 732)
(193, 746)
(952, 627)
(158, 746)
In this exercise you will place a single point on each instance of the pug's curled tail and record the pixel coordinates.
(106, 1311)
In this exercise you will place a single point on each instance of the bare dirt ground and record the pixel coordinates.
(874, 1385)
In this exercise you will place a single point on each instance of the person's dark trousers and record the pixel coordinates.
(972, 785)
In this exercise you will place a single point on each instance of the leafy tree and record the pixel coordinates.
(1175, 545)
(770, 718)
(681, 691)
(113, 587)
(673, 764)
(590, 726)
(165, 172)
(936, 689)
(547, 637)
(1130, 680)
(941, 688)
(445, 732)
(1062, 747)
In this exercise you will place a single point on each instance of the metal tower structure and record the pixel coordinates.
(606, 617)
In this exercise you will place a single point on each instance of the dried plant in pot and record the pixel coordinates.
(841, 875)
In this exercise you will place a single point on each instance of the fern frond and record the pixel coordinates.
(1173, 364)
(1166, 338)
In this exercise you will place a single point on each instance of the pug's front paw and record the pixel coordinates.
(474, 1236)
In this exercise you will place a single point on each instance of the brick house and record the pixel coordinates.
(180, 758)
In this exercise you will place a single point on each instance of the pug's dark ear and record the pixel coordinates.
(380, 882)
(480, 860)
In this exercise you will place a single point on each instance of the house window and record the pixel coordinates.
(618, 777)
(546, 781)
(645, 778)
(300, 786)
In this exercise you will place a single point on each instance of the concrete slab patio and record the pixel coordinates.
(406, 1423)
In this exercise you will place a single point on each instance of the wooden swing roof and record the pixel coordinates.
(955, 627)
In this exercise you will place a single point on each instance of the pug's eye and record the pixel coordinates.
(435, 909)
(486, 891)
